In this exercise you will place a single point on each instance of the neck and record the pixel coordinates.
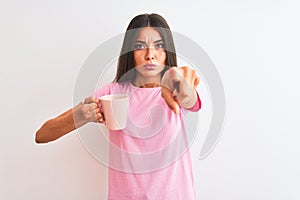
(147, 83)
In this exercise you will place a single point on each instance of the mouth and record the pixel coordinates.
(149, 66)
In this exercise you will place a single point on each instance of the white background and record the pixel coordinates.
(254, 45)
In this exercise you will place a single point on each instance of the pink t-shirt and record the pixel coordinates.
(150, 158)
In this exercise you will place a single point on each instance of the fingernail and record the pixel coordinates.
(176, 111)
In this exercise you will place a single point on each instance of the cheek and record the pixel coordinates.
(136, 58)
(162, 56)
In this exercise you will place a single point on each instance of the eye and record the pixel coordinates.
(160, 46)
(139, 46)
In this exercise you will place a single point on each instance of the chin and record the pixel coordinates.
(151, 73)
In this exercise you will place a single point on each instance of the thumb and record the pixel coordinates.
(91, 99)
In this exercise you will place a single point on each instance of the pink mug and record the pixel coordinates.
(115, 109)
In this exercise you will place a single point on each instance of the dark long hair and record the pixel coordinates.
(126, 64)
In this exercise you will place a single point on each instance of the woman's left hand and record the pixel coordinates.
(178, 87)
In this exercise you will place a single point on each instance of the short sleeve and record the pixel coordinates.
(105, 90)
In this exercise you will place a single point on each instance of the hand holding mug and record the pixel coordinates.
(90, 110)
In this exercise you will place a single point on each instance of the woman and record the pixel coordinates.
(151, 160)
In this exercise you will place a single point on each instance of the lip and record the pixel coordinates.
(149, 66)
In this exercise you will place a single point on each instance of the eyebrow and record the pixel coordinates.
(143, 42)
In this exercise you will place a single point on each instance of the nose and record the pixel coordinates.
(150, 53)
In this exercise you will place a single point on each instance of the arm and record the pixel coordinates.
(69, 121)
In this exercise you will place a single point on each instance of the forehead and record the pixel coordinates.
(149, 34)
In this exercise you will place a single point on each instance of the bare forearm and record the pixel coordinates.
(61, 125)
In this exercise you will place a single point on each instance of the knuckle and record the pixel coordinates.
(197, 80)
(193, 72)
(184, 69)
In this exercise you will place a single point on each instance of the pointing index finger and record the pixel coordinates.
(175, 74)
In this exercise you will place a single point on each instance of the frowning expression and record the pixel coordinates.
(149, 53)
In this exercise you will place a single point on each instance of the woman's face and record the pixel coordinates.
(149, 53)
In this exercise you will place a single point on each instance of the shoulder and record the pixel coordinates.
(110, 88)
